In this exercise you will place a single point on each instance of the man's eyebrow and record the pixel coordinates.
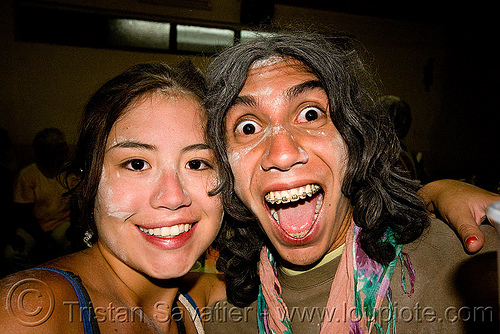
(246, 100)
(296, 90)
(132, 144)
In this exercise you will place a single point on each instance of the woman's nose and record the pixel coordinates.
(170, 192)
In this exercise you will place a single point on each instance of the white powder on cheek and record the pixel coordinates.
(234, 157)
(115, 209)
(238, 163)
(152, 182)
(184, 187)
(109, 206)
(340, 146)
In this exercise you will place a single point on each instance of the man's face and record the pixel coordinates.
(289, 160)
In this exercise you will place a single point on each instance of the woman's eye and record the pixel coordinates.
(248, 128)
(309, 114)
(197, 164)
(136, 165)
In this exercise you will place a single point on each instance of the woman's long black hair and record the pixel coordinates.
(381, 194)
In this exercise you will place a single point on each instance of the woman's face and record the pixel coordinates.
(152, 210)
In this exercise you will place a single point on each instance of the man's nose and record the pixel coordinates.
(283, 151)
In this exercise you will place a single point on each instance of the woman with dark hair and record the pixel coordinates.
(147, 198)
(145, 173)
(310, 176)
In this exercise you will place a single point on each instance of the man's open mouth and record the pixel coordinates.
(296, 210)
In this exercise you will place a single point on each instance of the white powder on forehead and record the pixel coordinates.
(266, 62)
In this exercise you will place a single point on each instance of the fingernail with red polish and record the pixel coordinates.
(470, 240)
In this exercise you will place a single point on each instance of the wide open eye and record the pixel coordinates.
(248, 128)
(136, 165)
(309, 114)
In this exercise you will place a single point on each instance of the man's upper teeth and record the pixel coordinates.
(291, 195)
(167, 231)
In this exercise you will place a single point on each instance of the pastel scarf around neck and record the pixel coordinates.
(359, 286)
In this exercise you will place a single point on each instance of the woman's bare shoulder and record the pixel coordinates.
(35, 301)
(205, 288)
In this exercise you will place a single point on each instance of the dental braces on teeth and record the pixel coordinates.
(279, 197)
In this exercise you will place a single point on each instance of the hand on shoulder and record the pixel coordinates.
(461, 205)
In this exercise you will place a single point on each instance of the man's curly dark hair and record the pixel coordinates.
(381, 194)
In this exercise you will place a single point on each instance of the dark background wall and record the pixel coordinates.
(455, 120)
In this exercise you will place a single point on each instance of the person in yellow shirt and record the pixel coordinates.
(39, 195)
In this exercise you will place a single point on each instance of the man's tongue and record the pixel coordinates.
(297, 218)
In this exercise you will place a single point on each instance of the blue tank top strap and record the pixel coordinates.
(90, 325)
(193, 310)
(191, 301)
